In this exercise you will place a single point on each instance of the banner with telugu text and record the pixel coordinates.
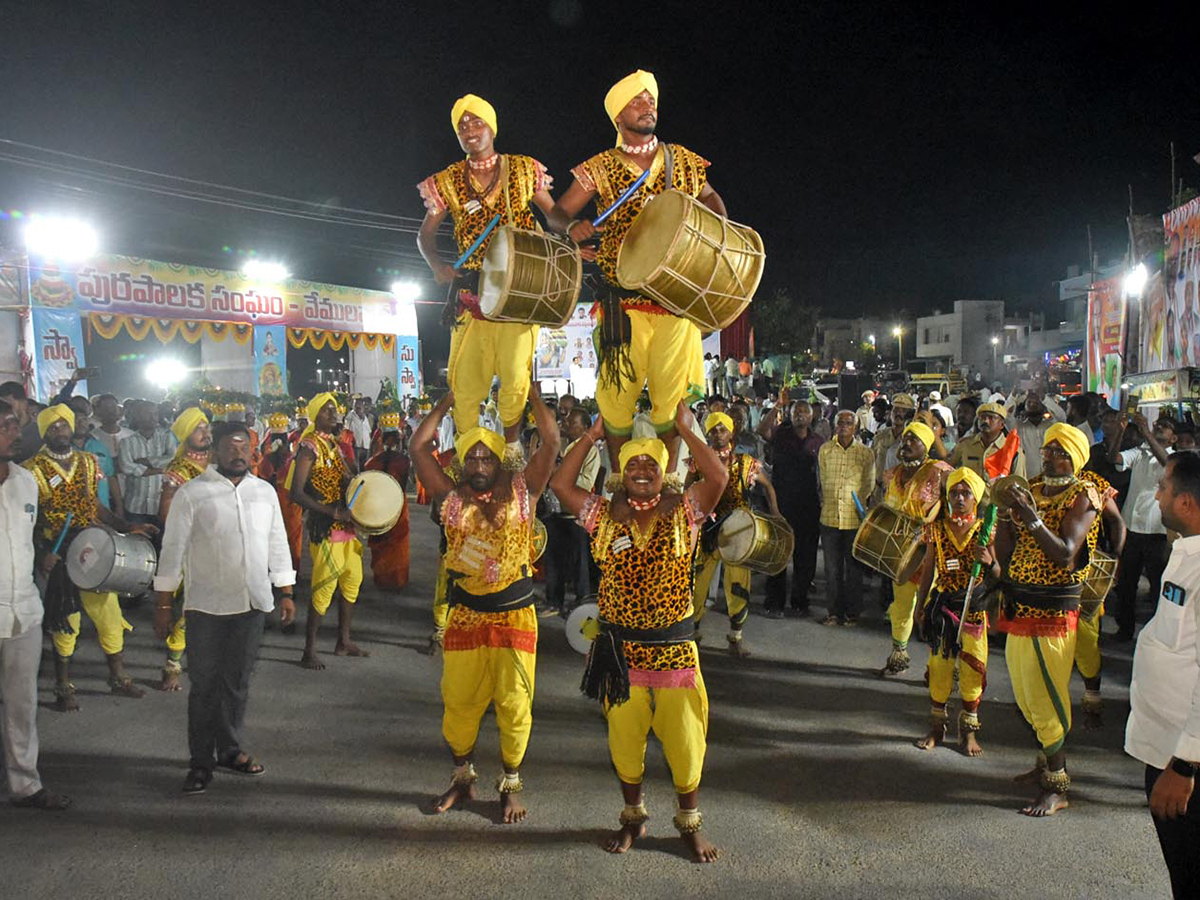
(1105, 338)
(57, 351)
(408, 368)
(270, 355)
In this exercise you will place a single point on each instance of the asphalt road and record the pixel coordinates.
(812, 785)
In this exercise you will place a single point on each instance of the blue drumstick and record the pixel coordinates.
(479, 240)
(858, 504)
(62, 534)
(625, 196)
(354, 496)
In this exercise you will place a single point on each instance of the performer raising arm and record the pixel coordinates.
(654, 347)
(644, 667)
(490, 643)
(484, 185)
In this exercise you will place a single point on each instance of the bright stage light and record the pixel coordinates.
(165, 372)
(265, 270)
(68, 240)
(897, 331)
(1135, 281)
(406, 291)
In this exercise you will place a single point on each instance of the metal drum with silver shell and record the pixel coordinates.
(102, 561)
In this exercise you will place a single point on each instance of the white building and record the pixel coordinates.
(963, 337)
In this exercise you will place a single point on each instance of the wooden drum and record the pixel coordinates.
(760, 543)
(889, 542)
(375, 500)
(697, 264)
(530, 277)
(1102, 572)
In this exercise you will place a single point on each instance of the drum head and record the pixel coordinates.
(738, 533)
(584, 616)
(90, 558)
(649, 239)
(378, 503)
(539, 539)
(494, 277)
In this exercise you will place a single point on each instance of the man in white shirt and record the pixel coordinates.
(359, 424)
(20, 623)
(712, 372)
(1164, 695)
(1146, 542)
(141, 458)
(568, 547)
(1031, 418)
(731, 377)
(936, 405)
(225, 539)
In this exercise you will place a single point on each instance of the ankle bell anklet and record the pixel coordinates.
(1058, 782)
(510, 783)
(464, 775)
(634, 815)
(968, 722)
(688, 821)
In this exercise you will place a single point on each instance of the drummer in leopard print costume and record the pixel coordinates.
(489, 648)
(950, 554)
(643, 666)
(744, 471)
(640, 343)
(913, 488)
(472, 192)
(191, 429)
(1044, 546)
(317, 482)
(68, 501)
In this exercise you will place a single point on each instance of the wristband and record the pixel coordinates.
(1036, 524)
(1183, 767)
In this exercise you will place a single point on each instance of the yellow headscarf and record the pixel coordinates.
(922, 431)
(476, 106)
(315, 405)
(626, 89)
(974, 482)
(1071, 439)
(187, 422)
(652, 447)
(713, 419)
(479, 435)
(52, 414)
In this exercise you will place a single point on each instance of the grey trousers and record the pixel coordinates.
(221, 654)
(19, 658)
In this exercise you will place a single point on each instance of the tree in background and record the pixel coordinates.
(783, 325)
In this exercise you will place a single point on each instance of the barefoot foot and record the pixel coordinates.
(701, 849)
(66, 702)
(310, 661)
(621, 841)
(456, 796)
(933, 739)
(124, 687)
(170, 681)
(348, 648)
(737, 649)
(512, 809)
(969, 744)
(1046, 804)
(1033, 776)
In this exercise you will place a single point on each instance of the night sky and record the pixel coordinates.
(889, 156)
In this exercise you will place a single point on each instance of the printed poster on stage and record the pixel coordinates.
(1171, 320)
(1105, 338)
(270, 360)
(569, 353)
(57, 351)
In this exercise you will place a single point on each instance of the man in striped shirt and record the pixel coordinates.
(142, 458)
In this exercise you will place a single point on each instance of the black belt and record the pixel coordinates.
(517, 595)
(679, 633)
(1053, 597)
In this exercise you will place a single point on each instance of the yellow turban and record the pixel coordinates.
(626, 89)
(652, 447)
(52, 414)
(713, 419)
(479, 435)
(974, 482)
(187, 422)
(923, 433)
(1071, 439)
(476, 106)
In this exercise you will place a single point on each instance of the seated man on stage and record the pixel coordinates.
(640, 342)
(644, 667)
(473, 191)
(490, 643)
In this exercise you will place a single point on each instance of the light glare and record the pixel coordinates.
(406, 291)
(68, 240)
(165, 372)
(265, 270)
(1135, 281)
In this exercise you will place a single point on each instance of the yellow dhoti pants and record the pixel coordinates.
(483, 676)
(335, 564)
(970, 681)
(667, 357)
(480, 350)
(900, 613)
(677, 715)
(1040, 669)
(737, 588)
(105, 613)
(1087, 645)
(177, 639)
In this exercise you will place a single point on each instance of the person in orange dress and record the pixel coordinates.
(389, 552)
(276, 455)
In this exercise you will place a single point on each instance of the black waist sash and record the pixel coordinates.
(517, 595)
(606, 675)
(1053, 597)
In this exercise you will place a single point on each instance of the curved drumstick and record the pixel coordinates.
(624, 196)
(479, 240)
